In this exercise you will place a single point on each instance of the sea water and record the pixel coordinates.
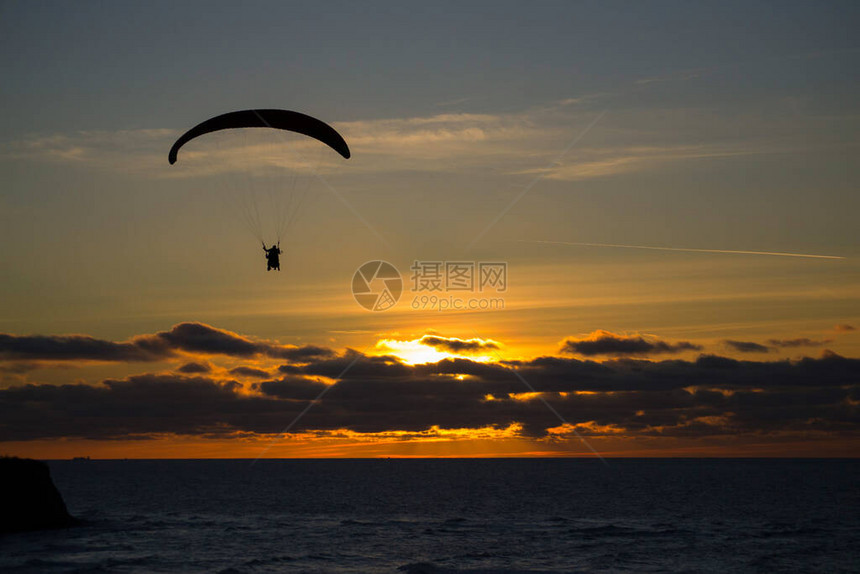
(450, 516)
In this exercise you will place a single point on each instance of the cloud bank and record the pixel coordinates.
(626, 397)
(194, 338)
(606, 343)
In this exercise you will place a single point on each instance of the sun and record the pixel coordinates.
(416, 352)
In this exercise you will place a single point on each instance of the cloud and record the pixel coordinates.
(625, 397)
(205, 339)
(250, 372)
(137, 405)
(799, 342)
(461, 141)
(385, 145)
(193, 338)
(194, 368)
(459, 346)
(292, 387)
(594, 162)
(132, 151)
(844, 328)
(523, 142)
(76, 347)
(606, 343)
(201, 338)
(432, 348)
(746, 346)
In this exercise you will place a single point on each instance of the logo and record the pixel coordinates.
(377, 285)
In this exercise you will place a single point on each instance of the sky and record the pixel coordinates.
(608, 229)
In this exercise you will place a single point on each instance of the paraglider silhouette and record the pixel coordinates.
(272, 259)
(273, 119)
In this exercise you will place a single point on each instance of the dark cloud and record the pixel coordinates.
(354, 365)
(709, 396)
(250, 372)
(201, 338)
(844, 328)
(800, 342)
(139, 404)
(746, 346)
(458, 346)
(606, 343)
(195, 338)
(300, 354)
(75, 347)
(297, 388)
(195, 368)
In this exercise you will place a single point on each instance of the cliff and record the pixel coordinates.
(28, 498)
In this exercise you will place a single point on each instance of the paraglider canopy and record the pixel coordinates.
(277, 119)
(266, 190)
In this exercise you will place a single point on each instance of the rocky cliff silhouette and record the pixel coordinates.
(28, 498)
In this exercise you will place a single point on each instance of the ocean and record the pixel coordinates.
(450, 516)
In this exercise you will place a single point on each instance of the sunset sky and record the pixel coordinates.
(672, 188)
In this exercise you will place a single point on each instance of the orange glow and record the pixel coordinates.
(589, 427)
(487, 441)
(558, 445)
(416, 351)
(524, 396)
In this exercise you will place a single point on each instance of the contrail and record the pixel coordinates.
(780, 254)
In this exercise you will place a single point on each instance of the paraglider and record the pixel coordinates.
(276, 119)
(272, 259)
(271, 191)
